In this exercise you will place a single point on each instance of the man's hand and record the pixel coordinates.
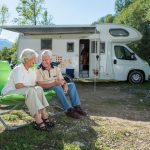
(59, 81)
(65, 87)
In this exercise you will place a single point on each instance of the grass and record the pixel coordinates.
(70, 137)
(89, 133)
(68, 134)
(94, 132)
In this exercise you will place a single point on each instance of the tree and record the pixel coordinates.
(101, 20)
(3, 14)
(9, 54)
(31, 12)
(46, 19)
(137, 15)
(107, 19)
(121, 4)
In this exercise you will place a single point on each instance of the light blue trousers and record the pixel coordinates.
(62, 98)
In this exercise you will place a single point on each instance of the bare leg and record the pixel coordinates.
(44, 113)
(37, 117)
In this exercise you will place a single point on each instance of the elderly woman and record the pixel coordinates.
(23, 81)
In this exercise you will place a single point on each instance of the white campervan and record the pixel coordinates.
(91, 51)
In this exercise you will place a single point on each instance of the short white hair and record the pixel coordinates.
(47, 52)
(27, 54)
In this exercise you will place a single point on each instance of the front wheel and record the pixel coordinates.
(136, 77)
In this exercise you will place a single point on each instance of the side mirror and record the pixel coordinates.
(133, 56)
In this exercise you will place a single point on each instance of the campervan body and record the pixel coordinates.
(91, 51)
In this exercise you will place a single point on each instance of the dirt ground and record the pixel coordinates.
(121, 109)
(118, 100)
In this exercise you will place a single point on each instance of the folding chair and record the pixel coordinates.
(13, 100)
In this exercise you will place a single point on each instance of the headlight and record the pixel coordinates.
(146, 62)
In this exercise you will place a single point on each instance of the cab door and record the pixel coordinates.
(123, 61)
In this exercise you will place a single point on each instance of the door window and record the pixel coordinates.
(102, 47)
(94, 47)
(122, 52)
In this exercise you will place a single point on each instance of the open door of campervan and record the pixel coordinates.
(98, 58)
(123, 61)
(94, 59)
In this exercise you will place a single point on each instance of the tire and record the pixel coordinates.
(136, 77)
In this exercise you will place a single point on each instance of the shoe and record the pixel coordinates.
(72, 113)
(40, 126)
(48, 123)
(79, 110)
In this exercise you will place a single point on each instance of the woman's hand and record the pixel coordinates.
(19, 85)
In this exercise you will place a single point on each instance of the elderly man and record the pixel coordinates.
(50, 77)
(23, 81)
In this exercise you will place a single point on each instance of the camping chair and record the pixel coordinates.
(13, 100)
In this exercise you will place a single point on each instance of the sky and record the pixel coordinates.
(65, 12)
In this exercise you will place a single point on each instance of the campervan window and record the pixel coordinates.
(46, 44)
(123, 53)
(119, 32)
(70, 47)
(93, 46)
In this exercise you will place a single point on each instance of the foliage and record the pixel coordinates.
(121, 4)
(107, 19)
(9, 54)
(32, 12)
(137, 15)
(3, 14)
(46, 19)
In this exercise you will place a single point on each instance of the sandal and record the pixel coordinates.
(48, 123)
(40, 126)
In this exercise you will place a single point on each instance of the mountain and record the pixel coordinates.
(5, 43)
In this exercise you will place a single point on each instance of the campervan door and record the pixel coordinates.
(100, 60)
(94, 58)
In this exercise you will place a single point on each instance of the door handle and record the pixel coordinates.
(115, 61)
(97, 57)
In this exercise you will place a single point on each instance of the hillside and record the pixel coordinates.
(5, 43)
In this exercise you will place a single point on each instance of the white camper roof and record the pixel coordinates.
(51, 29)
(112, 32)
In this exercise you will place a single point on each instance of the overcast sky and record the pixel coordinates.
(66, 12)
